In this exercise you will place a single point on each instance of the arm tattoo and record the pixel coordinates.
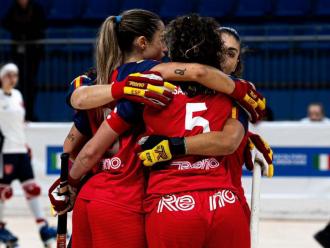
(71, 137)
(180, 71)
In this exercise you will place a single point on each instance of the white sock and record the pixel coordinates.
(35, 206)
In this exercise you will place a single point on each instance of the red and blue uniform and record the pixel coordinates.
(84, 120)
(108, 210)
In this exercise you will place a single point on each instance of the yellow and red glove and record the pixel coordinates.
(158, 149)
(249, 99)
(148, 88)
(258, 150)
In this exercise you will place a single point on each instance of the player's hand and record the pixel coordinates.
(62, 197)
(160, 148)
(258, 150)
(249, 99)
(148, 88)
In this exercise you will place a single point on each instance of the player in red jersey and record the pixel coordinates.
(112, 118)
(252, 146)
(233, 65)
(191, 201)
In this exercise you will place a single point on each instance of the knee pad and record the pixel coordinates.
(31, 189)
(6, 192)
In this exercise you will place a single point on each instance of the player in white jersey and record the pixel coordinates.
(16, 156)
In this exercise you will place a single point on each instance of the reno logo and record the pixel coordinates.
(221, 199)
(113, 163)
(174, 203)
(205, 164)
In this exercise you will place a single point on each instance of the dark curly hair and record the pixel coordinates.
(194, 39)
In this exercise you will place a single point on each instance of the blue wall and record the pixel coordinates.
(292, 104)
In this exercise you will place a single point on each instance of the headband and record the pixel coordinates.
(10, 67)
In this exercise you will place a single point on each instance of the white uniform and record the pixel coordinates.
(12, 117)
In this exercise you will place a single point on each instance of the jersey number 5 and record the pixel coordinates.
(197, 121)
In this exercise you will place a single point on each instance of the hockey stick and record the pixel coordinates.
(62, 219)
(255, 205)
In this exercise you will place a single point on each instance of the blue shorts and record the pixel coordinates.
(16, 166)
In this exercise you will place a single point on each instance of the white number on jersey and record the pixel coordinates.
(197, 121)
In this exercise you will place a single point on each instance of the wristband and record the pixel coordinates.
(178, 146)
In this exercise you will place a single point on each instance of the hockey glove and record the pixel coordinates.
(63, 195)
(258, 150)
(249, 99)
(148, 88)
(160, 148)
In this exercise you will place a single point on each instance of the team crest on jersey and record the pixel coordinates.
(205, 164)
(8, 169)
(176, 203)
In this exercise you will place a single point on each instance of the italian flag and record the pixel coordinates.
(322, 162)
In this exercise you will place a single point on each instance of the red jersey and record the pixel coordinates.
(236, 160)
(187, 116)
(122, 181)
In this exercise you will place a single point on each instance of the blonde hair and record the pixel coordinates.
(108, 54)
(116, 37)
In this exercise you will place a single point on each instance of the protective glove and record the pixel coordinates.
(249, 99)
(160, 148)
(148, 88)
(63, 195)
(258, 150)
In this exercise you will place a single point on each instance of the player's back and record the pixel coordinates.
(188, 116)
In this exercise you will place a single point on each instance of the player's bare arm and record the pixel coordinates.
(242, 91)
(88, 97)
(208, 76)
(74, 141)
(92, 152)
(216, 143)
(146, 88)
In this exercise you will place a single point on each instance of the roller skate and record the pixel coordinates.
(7, 238)
(47, 235)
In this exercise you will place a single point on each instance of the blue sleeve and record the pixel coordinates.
(81, 121)
(76, 83)
(146, 65)
(243, 118)
(131, 112)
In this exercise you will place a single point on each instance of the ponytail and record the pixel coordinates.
(116, 37)
(108, 54)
